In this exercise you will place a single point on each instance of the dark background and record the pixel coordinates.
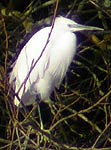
(83, 106)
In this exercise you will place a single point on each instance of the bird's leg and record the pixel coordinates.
(41, 137)
(51, 105)
(40, 118)
(39, 112)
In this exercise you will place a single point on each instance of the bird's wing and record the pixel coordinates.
(29, 55)
(61, 55)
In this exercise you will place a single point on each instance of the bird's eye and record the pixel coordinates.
(71, 25)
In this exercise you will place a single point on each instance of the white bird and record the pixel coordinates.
(41, 67)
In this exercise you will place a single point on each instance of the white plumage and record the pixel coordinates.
(52, 66)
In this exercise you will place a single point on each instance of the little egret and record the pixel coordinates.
(44, 61)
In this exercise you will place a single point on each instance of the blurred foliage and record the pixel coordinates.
(81, 113)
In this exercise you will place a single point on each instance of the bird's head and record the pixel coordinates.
(70, 25)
